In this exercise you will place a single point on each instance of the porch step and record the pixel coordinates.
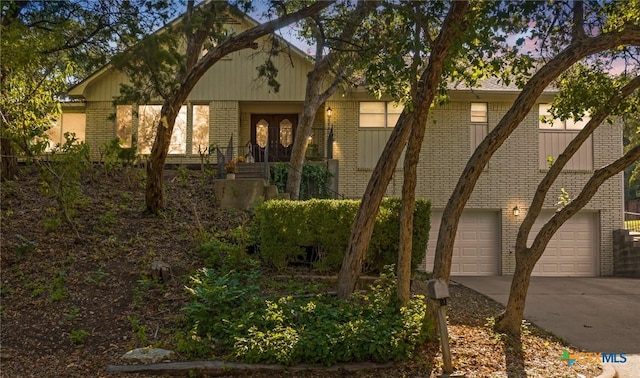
(250, 170)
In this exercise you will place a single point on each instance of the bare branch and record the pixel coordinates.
(577, 30)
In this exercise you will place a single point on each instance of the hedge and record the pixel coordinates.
(287, 228)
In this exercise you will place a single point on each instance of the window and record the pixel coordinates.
(200, 128)
(377, 120)
(479, 124)
(379, 114)
(553, 137)
(479, 112)
(548, 122)
(124, 125)
(148, 119)
(67, 123)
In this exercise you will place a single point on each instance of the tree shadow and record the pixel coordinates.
(514, 356)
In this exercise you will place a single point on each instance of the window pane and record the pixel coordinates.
(392, 119)
(54, 134)
(74, 123)
(372, 114)
(372, 107)
(372, 120)
(479, 112)
(543, 111)
(179, 135)
(124, 124)
(262, 129)
(393, 113)
(200, 128)
(286, 133)
(148, 118)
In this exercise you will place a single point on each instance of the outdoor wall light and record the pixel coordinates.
(516, 211)
(329, 112)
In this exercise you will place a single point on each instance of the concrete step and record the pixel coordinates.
(250, 170)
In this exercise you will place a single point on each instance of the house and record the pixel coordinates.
(230, 101)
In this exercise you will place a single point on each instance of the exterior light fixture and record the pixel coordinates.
(516, 211)
(330, 137)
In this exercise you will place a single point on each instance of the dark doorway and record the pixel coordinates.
(275, 130)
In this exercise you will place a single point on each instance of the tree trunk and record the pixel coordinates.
(154, 194)
(381, 176)
(411, 160)
(511, 320)
(9, 159)
(370, 205)
(314, 98)
(541, 79)
(526, 258)
(303, 132)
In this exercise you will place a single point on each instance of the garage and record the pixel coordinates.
(572, 250)
(476, 250)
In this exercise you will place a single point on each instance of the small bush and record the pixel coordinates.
(229, 317)
(287, 227)
(314, 182)
(228, 249)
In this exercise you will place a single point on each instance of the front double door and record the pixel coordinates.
(275, 131)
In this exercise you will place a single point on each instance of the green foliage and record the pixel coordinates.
(313, 184)
(61, 177)
(183, 178)
(228, 249)
(229, 317)
(139, 329)
(223, 305)
(58, 290)
(288, 226)
(31, 84)
(72, 314)
(563, 199)
(115, 156)
(25, 246)
(77, 336)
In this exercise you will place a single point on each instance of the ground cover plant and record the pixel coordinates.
(230, 317)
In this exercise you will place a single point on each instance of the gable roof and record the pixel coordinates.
(77, 90)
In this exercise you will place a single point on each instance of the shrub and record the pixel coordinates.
(229, 317)
(287, 227)
(313, 183)
(61, 176)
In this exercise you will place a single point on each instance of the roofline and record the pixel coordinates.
(77, 90)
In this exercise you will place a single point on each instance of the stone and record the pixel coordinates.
(147, 355)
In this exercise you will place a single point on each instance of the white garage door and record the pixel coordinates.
(572, 250)
(476, 251)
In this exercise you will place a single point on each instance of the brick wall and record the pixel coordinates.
(225, 119)
(509, 180)
(626, 254)
(100, 128)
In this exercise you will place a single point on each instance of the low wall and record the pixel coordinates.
(626, 255)
(242, 193)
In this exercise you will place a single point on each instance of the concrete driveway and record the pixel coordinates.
(594, 314)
